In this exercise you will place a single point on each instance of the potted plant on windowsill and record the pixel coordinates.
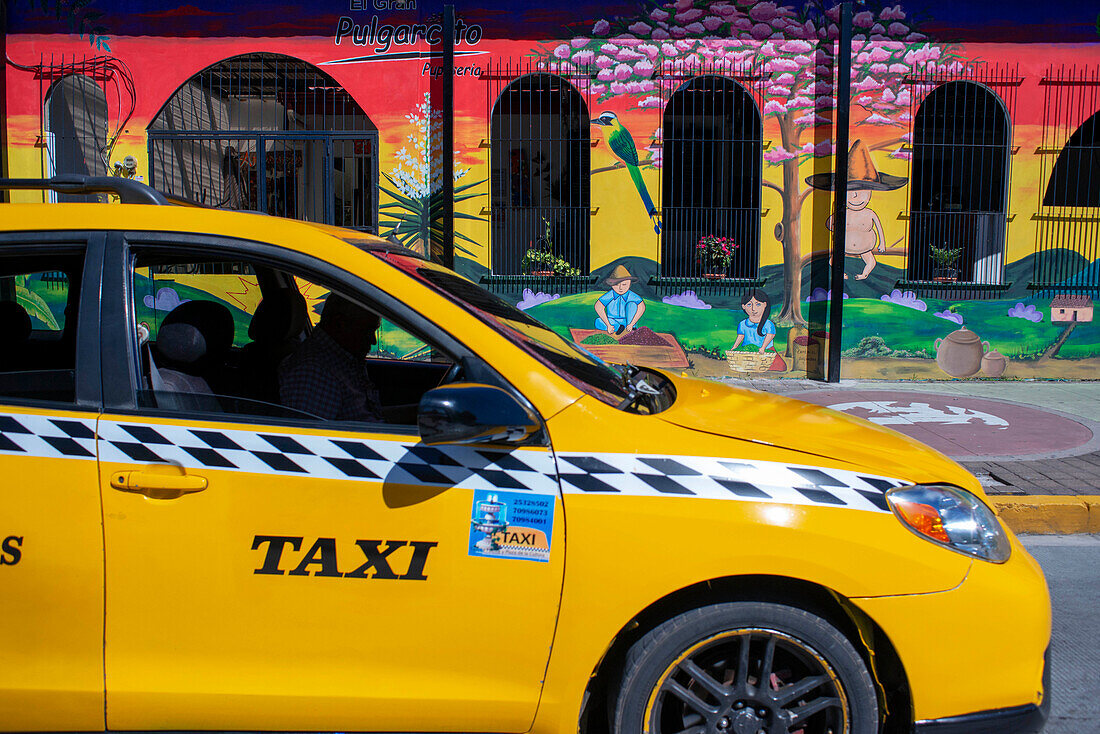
(715, 254)
(541, 262)
(943, 261)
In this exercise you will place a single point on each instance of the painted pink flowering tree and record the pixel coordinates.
(793, 47)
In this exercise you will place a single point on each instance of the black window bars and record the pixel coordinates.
(1067, 237)
(711, 178)
(539, 161)
(86, 102)
(269, 133)
(959, 185)
(707, 139)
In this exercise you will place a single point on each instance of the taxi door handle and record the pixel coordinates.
(158, 486)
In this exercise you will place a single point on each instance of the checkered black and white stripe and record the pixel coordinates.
(280, 453)
(448, 466)
(330, 458)
(727, 479)
(39, 435)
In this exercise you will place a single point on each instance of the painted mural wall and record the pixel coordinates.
(933, 288)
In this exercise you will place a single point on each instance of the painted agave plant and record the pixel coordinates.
(414, 215)
(416, 221)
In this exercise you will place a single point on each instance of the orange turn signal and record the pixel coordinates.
(923, 518)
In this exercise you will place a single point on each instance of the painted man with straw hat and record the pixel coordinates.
(619, 309)
(863, 228)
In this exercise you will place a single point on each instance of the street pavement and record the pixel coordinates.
(1034, 445)
(1070, 562)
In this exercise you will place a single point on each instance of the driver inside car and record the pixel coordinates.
(327, 375)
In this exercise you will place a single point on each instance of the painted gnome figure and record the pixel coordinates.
(863, 231)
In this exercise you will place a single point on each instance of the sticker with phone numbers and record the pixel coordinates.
(511, 525)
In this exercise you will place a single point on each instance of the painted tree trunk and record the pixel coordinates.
(1052, 350)
(792, 230)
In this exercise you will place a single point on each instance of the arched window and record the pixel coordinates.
(1075, 180)
(269, 133)
(75, 119)
(539, 162)
(711, 176)
(959, 191)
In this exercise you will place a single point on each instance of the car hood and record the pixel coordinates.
(814, 430)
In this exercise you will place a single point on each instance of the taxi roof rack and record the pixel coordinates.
(127, 190)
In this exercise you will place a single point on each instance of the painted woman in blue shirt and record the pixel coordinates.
(758, 330)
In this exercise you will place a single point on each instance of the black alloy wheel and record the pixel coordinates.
(745, 668)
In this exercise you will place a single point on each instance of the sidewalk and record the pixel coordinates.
(1034, 445)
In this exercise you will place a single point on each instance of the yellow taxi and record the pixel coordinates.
(501, 534)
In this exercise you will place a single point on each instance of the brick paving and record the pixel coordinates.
(1067, 476)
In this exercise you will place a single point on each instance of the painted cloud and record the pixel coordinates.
(531, 299)
(950, 316)
(905, 298)
(1020, 311)
(820, 294)
(688, 299)
(166, 300)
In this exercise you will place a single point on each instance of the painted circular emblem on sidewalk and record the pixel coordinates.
(959, 425)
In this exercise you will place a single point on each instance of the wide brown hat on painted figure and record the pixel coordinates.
(862, 173)
(619, 274)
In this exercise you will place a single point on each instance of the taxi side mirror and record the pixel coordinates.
(472, 413)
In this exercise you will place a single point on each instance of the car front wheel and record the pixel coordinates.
(745, 668)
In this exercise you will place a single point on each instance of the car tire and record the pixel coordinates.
(699, 673)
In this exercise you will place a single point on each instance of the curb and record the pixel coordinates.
(1049, 514)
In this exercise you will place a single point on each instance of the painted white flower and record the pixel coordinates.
(418, 173)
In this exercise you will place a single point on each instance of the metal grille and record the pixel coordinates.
(80, 96)
(1069, 207)
(711, 173)
(959, 186)
(268, 133)
(539, 159)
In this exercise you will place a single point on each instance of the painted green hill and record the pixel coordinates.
(907, 329)
(708, 329)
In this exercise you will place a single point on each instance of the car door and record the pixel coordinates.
(51, 554)
(271, 572)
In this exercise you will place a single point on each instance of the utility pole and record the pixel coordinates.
(840, 189)
(447, 105)
(3, 95)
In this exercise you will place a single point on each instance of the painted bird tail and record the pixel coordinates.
(647, 202)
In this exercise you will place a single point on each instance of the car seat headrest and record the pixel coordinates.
(213, 320)
(280, 316)
(181, 343)
(15, 323)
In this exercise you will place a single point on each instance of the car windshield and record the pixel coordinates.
(618, 386)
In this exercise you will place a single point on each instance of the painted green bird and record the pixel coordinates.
(622, 145)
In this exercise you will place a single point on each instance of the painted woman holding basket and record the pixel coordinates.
(758, 330)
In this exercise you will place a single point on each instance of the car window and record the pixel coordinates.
(583, 369)
(236, 338)
(626, 387)
(393, 342)
(160, 288)
(39, 294)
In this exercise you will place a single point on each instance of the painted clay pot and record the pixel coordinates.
(994, 364)
(959, 354)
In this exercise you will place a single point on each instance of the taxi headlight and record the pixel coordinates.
(953, 518)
